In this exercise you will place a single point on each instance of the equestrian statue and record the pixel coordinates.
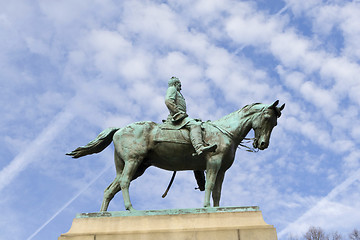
(181, 143)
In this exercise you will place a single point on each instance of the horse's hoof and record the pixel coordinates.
(130, 209)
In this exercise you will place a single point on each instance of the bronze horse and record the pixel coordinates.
(136, 149)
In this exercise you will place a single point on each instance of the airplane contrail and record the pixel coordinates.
(69, 202)
(28, 155)
(332, 194)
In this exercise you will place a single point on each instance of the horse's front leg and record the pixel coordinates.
(217, 188)
(212, 169)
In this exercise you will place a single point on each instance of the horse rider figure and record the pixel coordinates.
(176, 104)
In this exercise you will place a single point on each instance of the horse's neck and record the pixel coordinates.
(237, 124)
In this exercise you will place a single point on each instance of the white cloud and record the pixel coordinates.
(116, 59)
(151, 20)
(343, 145)
(333, 15)
(250, 28)
(326, 18)
(179, 65)
(350, 12)
(137, 67)
(302, 7)
(355, 132)
(321, 98)
(37, 46)
(342, 71)
(293, 80)
(294, 51)
(108, 50)
(352, 161)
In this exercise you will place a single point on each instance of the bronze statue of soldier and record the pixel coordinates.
(137, 145)
(176, 104)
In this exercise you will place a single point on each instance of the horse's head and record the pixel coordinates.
(263, 124)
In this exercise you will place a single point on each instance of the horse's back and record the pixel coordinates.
(134, 139)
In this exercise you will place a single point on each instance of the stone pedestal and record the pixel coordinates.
(229, 223)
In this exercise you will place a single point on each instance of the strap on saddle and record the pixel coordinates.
(200, 179)
(169, 186)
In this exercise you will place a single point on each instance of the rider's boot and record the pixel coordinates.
(197, 142)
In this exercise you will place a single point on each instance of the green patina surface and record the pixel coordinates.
(210, 146)
(168, 212)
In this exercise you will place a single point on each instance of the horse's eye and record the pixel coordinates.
(267, 117)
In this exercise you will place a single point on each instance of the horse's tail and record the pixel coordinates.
(95, 146)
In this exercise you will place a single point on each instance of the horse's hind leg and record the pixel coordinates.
(114, 187)
(133, 145)
(130, 168)
(109, 193)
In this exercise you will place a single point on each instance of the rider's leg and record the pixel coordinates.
(197, 140)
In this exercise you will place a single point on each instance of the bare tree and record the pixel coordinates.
(355, 235)
(315, 233)
(336, 236)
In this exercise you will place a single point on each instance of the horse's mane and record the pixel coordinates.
(246, 107)
(251, 109)
(245, 111)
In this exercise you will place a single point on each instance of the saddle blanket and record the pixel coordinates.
(172, 135)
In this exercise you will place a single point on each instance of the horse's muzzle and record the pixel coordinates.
(262, 146)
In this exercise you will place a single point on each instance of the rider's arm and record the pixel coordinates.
(170, 100)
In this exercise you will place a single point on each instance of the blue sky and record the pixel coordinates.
(70, 69)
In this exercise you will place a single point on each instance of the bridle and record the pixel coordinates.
(232, 137)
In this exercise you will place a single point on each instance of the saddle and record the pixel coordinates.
(174, 133)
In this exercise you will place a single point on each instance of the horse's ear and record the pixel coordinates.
(272, 106)
(282, 107)
(277, 109)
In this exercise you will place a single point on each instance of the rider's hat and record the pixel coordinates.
(173, 80)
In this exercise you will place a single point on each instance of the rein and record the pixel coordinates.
(249, 149)
(232, 137)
